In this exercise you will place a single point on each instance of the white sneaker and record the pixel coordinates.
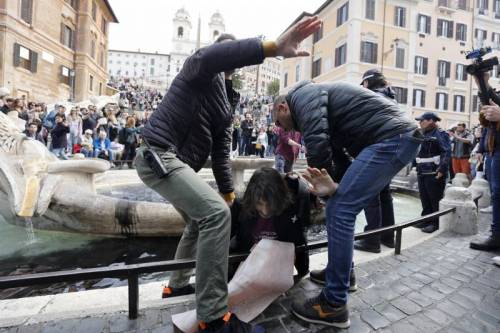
(496, 260)
(487, 210)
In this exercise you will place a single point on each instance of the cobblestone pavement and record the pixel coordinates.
(438, 286)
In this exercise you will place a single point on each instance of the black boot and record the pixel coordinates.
(430, 228)
(367, 246)
(388, 241)
(489, 244)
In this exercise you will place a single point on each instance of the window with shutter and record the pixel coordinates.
(318, 34)
(461, 32)
(285, 80)
(94, 11)
(340, 55)
(370, 10)
(343, 14)
(400, 16)
(400, 57)
(419, 98)
(297, 73)
(424, 24)
(440, 24)
(316, 71)
(27, 11)
(25, 58)
(17, 59)
(401, 95)
(421, 65)
(450, 29)
(369, 52)
(65, 75)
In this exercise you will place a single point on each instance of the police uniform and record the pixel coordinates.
(433, 157)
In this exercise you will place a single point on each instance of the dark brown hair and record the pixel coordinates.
(267, 185)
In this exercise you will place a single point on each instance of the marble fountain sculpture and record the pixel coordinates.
(61, 195)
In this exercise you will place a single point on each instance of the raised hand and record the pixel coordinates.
(491, 112)
(322, 184)
(288, 43)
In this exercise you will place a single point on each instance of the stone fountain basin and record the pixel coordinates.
(92, 200)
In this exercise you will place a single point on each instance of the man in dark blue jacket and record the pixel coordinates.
(192, 123)
(432, 167)
(334, 117)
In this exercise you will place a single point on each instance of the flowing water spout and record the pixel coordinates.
(29, 230)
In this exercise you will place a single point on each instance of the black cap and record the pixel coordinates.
(428, 116)
(371, 73)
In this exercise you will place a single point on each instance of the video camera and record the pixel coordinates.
(479, 65)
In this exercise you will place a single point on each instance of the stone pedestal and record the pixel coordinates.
(464, 219)
(460, 180)
(481, 187)
(239, 166)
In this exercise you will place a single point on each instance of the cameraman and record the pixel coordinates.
(492, 114)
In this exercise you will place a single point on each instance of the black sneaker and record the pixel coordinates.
(319, 277)
(175, 292)
(229, 324)
(317, 310)
(364, 245)
(487, 244)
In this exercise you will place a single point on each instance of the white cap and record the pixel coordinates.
(4, 91)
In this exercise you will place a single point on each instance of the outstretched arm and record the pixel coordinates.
(220, 57)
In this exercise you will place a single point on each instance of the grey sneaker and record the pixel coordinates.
(318, 310)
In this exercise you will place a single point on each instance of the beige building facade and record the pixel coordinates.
(419, 45)
(257, 78)
(54, 50)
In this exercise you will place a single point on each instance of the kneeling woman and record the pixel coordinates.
(274, 207)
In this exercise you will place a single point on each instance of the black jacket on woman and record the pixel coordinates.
(194, 118)
(290, 226)
(58, 134)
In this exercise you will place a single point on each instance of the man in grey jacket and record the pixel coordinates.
(334, 117)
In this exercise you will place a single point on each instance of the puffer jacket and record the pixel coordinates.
(340, 115)
(194, 118)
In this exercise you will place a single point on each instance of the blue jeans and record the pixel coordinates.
(60, 153)
(495, 193)
(282, 165)
(368, 174)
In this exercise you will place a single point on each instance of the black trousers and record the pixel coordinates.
(380, 213)
(431, 192)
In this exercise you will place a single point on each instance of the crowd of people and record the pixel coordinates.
(350, 166)
(110, 133)
(135, 96)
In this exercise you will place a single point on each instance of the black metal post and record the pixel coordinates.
(399, 235)
(133, 295)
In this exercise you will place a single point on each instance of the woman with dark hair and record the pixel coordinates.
(128, 137)
(273, 207)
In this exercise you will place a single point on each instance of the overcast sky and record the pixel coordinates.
(147, 24)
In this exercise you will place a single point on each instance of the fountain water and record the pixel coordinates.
(30, 231)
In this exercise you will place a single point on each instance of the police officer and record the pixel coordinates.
(432, 167)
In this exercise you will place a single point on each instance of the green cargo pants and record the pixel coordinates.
(207, 232)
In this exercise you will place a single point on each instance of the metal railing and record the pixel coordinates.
(132, 272)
